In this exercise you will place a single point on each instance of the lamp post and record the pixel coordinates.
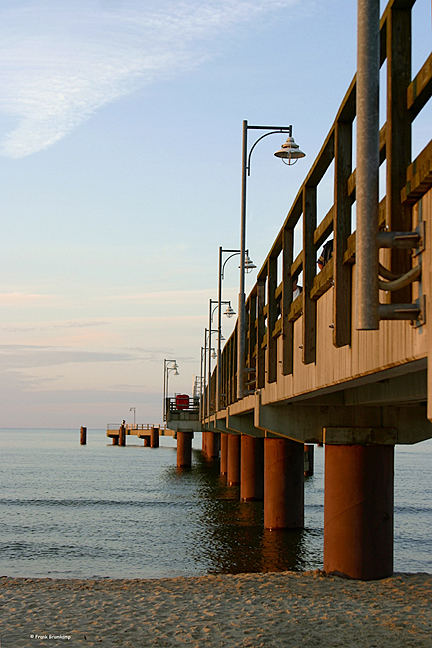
(133, 409)
(289, 153)
(249, 265)
(204, 368)
(229, 313)
(169, 365)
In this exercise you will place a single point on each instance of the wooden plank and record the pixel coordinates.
(309, 271)
(323, 280)
(297, 264)
(419, 177)
(342, 230)
(398, 137)
(286, 301)
(324, 229)
(271, 319)
(420, 89)
(260, 359)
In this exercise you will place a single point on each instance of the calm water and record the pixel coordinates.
(98, 511)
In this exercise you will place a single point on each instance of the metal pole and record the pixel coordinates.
(241, 299)
(167, 396)
(218, 366)
(201, 385)
(209, 357)
(164, 394)
(205, 368)
(367, 165)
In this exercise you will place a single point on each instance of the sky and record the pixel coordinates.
(120, 166)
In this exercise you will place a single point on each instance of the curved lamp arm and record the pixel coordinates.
(273, 132)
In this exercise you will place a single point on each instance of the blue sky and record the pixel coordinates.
(120, 151)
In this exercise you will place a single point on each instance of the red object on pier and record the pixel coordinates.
(182, 401)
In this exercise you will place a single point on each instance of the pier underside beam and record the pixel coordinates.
(392, 424)
(358, 510)
(251, 468)
(283, 484)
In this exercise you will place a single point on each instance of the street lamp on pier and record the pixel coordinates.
(228, 313)
(169, 365)
(289, 153)
(249, 266)
(133, 409)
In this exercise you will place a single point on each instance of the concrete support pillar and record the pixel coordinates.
(122, 435)
(283, 484)
(308, 460)
(223, 453)
(233, 463)
(83, 435)
(358, 510)
(184, 448)
(251, 468)
(154, 437)
(212, 446)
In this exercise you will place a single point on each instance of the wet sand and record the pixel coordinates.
(286, 610)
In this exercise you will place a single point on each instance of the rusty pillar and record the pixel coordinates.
(212, 451)
(115, 439)
(122, 435)
(308, 460)
(154, 437)
(251, 468)
(233, 461)
(358, 510)
(83, 436)
(223, 453)
(283, 484)
(204, 443)
(146, 441)
(184, 448)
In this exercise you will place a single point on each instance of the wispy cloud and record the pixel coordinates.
(20, 298)
(60, 61)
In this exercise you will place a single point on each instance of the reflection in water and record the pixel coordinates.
(230, 538)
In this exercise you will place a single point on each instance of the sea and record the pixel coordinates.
(98, 511)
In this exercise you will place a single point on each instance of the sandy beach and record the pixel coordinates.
(287, 610)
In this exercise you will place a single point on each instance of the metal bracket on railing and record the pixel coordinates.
(416, 311)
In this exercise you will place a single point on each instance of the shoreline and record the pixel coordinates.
(254, 610)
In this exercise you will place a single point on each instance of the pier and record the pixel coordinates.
(345, 363)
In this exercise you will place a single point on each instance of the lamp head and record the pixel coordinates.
(229, 312)
(290, 152)
(249, 264)
(213, 355)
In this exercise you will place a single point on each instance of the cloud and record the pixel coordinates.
(25, 356)
(60, 61)
(19, 298)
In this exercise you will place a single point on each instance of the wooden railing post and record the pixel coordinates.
(309, 272)
(252, 333)
(286, 300)
(271, 318)
(398, 135)
(260, 357)
(342, 229)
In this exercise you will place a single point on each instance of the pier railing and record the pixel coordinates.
(271, 308)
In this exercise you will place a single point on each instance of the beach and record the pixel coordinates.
(272, 610)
